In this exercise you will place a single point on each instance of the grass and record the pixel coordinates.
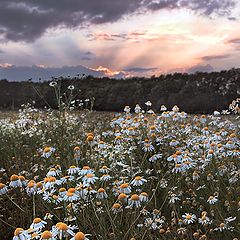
(95, 175)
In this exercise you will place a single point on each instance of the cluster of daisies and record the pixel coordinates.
(141, 175)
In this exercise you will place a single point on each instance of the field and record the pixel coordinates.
(130, 175)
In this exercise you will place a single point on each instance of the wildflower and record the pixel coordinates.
(212, 200)
(189, 218)
(14, 181)
(204, 220)
(122, 197)
(105, 177)
(127, 109)
(73, 170)
(116, 208)
(125, 188)
(143, 197)
(163, 108)
(52, 172)
(155, 157)
(3, 189)
(71, 87)
(101, 194)
(52, 84)
(47, 152)
(178, 168)
(80, 236)
(31, 188)
(89, 179)
(148, 147)
(20, 234)
(104, 169)
(134, 201)
(85, 170)
(47, 235)
(148, 103)
(62, 230)
(138, 181)
(195, 176)
(38, 224)
(23, 181)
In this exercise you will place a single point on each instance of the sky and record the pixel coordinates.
(117, 38)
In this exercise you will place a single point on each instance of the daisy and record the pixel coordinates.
(38, 224)
(20, 234)
(155, 157)
(143, 197)
(89, 179)
(52, 172)
(71, 195)
(80, 236)
(62, 230)
(31, 188)
(189, 218)
(14, 181)
(122, 197)
(23, 181)
(134, 201)
(212, 200)
(47, 152)
(101, 194)
(47, 235)
(125, 188)
(73, 170)
(116, 208)
(138, 181)
(85, 170)
(104, 169)
(3, 189)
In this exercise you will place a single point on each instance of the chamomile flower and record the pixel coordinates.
(134, 201)
(73, 170)
(89, 179)
(138, 181)
(125, 188)
(143, 197)
(38, 224)
(21, 234)
(52, 172)
(105, 177)
(14, 181)
(47, 235)
(116, 208)
(212, 200)
(85, 170)
(101, 193)
(189, 218)
(3, 189)
(80, 236)
(62, 230)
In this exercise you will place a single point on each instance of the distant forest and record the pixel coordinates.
(193, 93)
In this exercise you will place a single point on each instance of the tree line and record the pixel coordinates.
(193, 93)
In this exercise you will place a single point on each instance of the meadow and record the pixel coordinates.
(79, 175)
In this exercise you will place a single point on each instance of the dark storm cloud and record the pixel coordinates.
(27, 20)
(215, 57)
(200, 68)
(139, 69)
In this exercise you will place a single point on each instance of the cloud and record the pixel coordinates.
(200, 68)
(23, 73)
(139, 69)
(214, 57)
(27, 20)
